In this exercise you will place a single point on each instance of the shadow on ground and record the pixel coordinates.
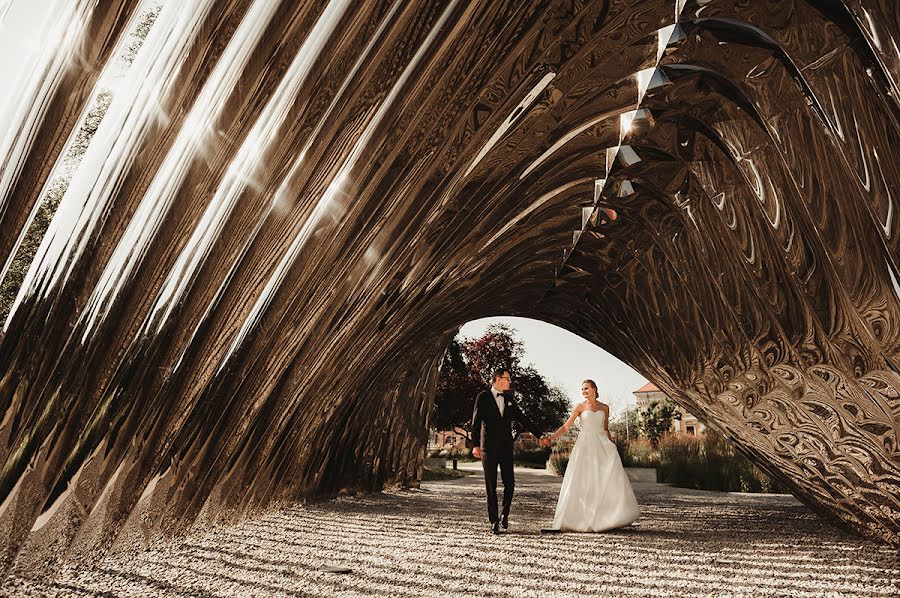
(434, 542)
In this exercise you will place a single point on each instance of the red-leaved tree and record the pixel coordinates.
(466, 370)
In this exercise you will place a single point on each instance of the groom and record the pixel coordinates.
(493, 442)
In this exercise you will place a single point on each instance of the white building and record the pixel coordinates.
(649, 394)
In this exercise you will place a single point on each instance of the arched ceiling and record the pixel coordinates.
(288, 209)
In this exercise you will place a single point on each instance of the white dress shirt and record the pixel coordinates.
(501, 401)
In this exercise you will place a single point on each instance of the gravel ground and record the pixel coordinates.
(435, 542)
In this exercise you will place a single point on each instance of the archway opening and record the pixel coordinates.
(656, 438)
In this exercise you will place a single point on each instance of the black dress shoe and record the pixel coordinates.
(504, 522)
(495, 528)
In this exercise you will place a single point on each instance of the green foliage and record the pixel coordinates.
(735, 471)
(546, 406)
(657, 420)
(451, 453)
(432, 474)
(627, 425)
(559, 458)
(467, 368)
(62, 174)
(456, 388)
(636, 453)
(11, 283)
(684, 463)
(48, 202)
(532, 457)
(704, 462)
(558, 464)
(139, 35)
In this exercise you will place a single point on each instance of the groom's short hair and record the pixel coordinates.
(498, 373)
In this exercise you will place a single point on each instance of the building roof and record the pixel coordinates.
(648, 387)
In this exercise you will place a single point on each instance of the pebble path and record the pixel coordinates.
(434, 541)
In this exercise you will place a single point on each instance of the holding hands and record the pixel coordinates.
(545, 442)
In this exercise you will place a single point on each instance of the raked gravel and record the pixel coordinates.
(435, 542)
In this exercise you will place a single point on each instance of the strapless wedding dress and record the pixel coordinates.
(596, 494)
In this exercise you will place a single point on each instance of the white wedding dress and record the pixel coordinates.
(596, 494)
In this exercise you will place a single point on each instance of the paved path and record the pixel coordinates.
(434, 542)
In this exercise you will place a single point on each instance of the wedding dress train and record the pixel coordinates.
(596, 494)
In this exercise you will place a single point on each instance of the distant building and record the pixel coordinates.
(649, 394)
(441, 439)
(445, 439)
(527, 441)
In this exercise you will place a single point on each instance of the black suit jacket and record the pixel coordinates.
(493, 432)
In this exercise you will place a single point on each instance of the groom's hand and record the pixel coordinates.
(476, 452)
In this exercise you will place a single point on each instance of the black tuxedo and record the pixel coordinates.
(493, 433)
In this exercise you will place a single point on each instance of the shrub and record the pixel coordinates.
(558, 463)
(708, 462)
(657, 420)
(639, 453)
(536, 456)
(683, 464)
(559, 458)
(431, 474)
(621, 446)
(704, 462)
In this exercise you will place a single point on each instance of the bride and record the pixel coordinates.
(596, 494)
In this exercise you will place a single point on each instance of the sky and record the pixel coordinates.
(25, 27)
(565, 359)
(18, 22)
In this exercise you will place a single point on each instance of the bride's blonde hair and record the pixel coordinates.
(593, 385)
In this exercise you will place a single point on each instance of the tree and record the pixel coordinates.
(455, 390)
(627, 425)
(657, 420)
(497, 348)
(467, 369)
(546, 406)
